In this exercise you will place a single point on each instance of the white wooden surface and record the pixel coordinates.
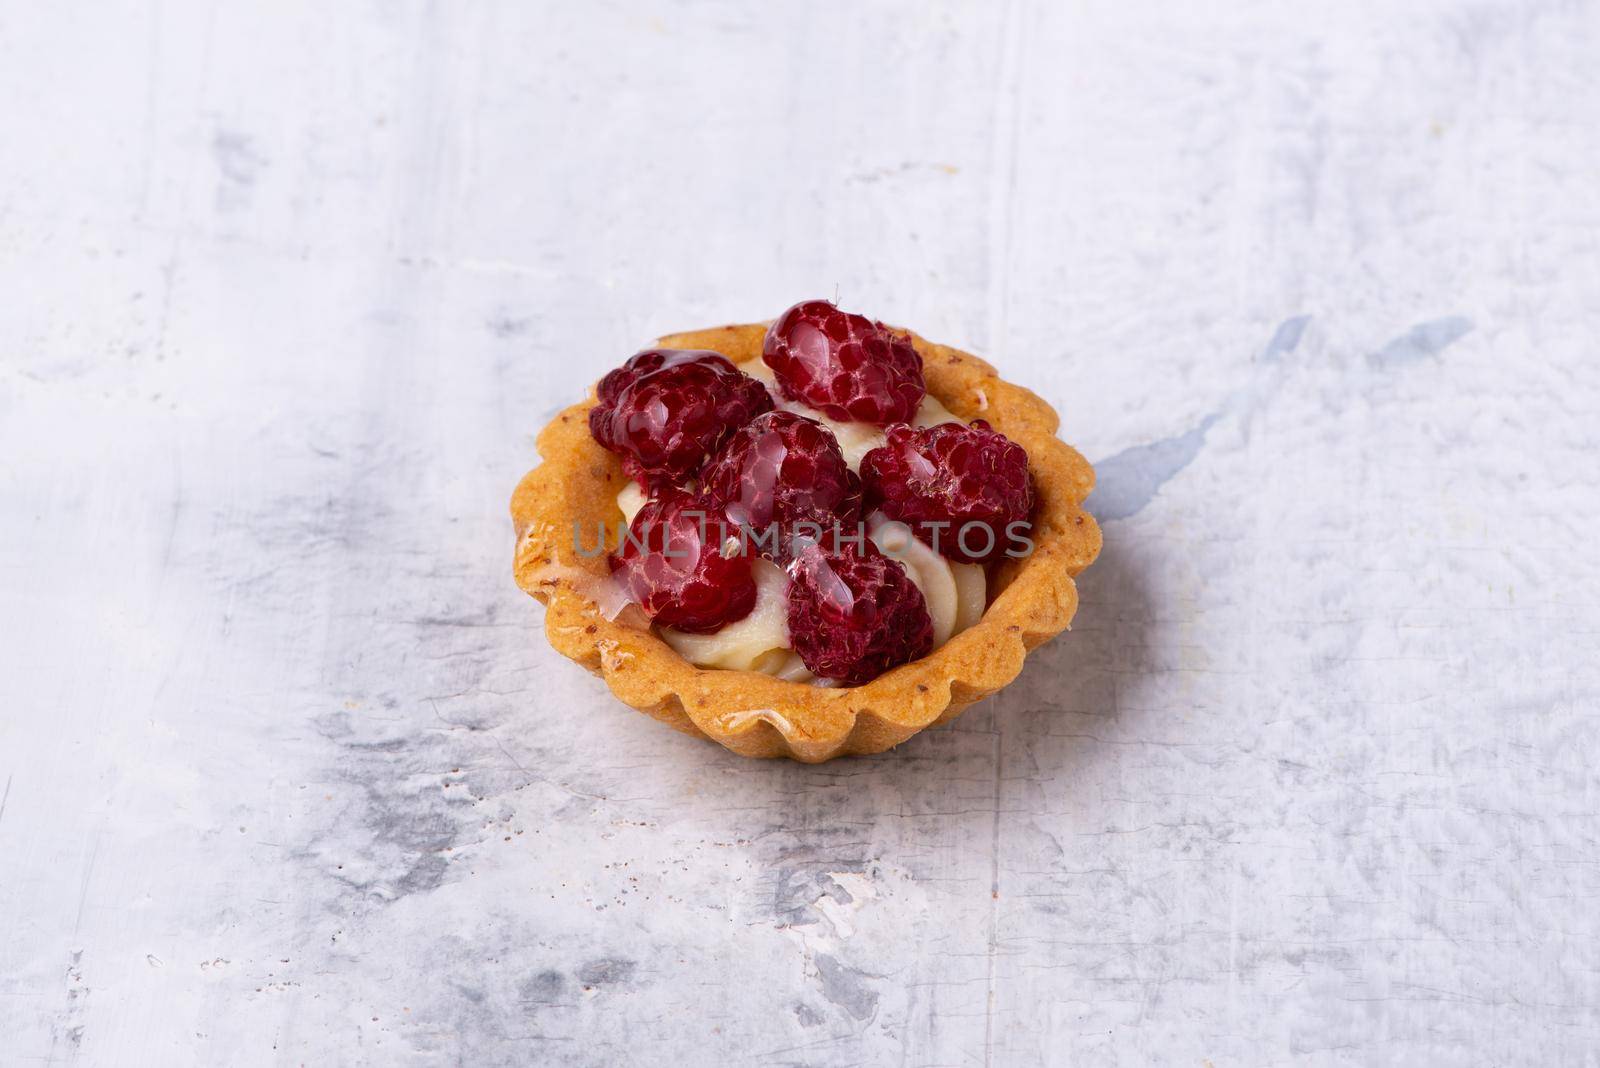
(288, 774)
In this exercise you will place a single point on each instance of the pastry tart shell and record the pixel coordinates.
(1031, 600)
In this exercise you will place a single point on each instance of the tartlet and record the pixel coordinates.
(1030, 600)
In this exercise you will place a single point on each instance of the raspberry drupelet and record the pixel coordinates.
(673, 565)
(845, 366)
(666, 410)
(782, 468)
(854, 613)
(959, 488)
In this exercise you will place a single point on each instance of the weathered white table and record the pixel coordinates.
(288, 774)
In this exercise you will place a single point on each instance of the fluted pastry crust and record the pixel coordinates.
(1032, 600)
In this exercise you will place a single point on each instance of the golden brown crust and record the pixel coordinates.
(754, 714)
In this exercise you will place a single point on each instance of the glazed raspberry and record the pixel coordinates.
(854, 613)
(671, 562)
(971, 479)
(781, 468)
(668, 409)
(845, 366)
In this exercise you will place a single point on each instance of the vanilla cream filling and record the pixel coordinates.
(630, 499)
(758, 642)
(956, 594)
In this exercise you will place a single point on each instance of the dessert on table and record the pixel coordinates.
(807, 538)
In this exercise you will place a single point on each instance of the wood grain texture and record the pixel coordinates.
(288, 774)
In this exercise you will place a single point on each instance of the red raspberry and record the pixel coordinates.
(668, 409)
(782, 468)
(671, 563)
(854, 613)
(845, 366)
(965, 477)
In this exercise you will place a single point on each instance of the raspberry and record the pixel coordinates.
(782, 468)
(671, 563)
(668, 409)
(845, 366)
(854, 613)
(948, 483)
